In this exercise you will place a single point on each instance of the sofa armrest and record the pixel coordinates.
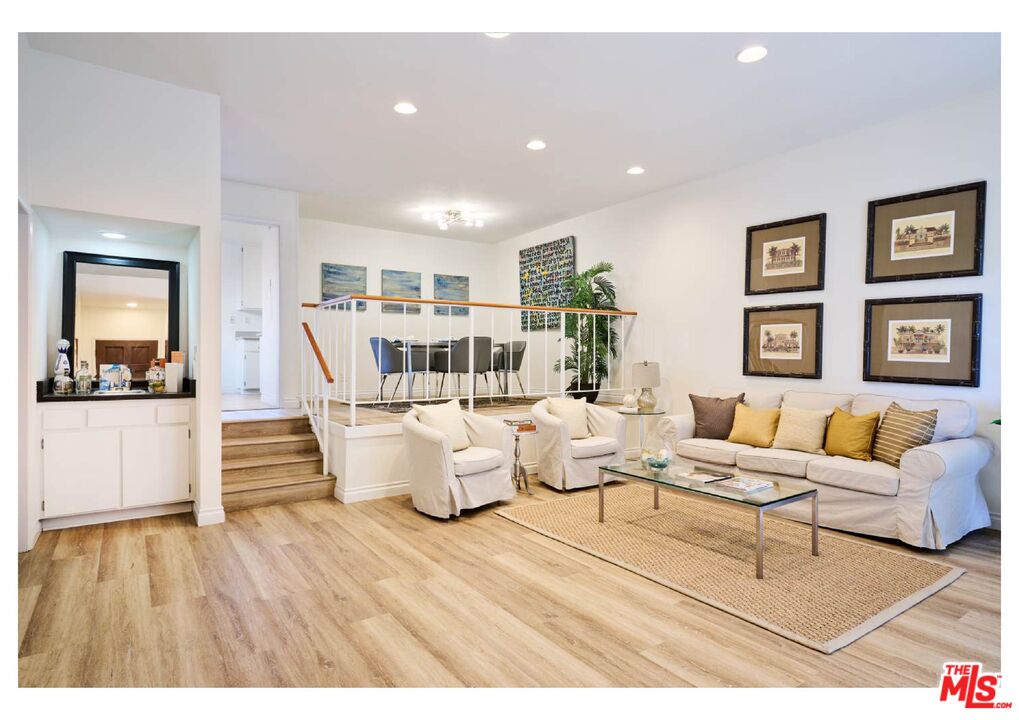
(673, 428)
(488, 432)
(951, 458)
(607, 423)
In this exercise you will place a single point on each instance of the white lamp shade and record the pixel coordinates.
(646, 375)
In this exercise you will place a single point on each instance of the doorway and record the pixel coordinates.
(250, 316)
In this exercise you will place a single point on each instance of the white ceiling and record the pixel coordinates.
(313, 112)
(74, 224)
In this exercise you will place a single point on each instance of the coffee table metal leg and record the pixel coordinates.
(760, 544)
(656, 497)
(813, 530)
(601, 496)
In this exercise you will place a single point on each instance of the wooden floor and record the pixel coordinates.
(373, 593)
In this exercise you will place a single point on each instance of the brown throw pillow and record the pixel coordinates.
(713, 416)
(901, 430)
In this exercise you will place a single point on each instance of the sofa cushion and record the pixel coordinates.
(476, 459)
(800, 429)
(719, 452)
(901, 430)
(956, 418)
(817, 400)
(756, 399)
(573, 412)
(772, 460)
(754, 427)
(713, 416)
(448, 419)
(851, 435)
(875, 478)
(593, 446)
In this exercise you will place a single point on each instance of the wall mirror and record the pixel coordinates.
(120, 310)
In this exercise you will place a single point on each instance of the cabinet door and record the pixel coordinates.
(251, 371)
(81, 471)
(251, 282)
(157, 465)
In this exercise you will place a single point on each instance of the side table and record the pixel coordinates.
(519, 471)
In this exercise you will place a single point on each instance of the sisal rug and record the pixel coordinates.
(706, 550)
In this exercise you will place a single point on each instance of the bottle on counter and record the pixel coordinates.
(125, 377)
(156, 378)
(63, 384)
(83, 379)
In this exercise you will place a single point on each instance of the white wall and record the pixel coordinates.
(679, 254)
(323, 241)
(102, 141)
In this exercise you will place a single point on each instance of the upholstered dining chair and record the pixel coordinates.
(392, 360)
(456, 361)
(570, 449)
(509, 361)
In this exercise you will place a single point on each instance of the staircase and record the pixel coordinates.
(269, 462)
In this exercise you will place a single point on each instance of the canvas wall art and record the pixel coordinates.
(931, 234)
(451, 287)
(401, 283)
(783, 340)
(786, 256)
(340, 280)
(543, 272)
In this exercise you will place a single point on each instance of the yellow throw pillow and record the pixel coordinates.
(754, 427)
(851, 436)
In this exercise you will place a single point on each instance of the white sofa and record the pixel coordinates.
(931, 500)
(566, 464)
(443, 482)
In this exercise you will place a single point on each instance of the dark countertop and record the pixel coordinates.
(44, 393)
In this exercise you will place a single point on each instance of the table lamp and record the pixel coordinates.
(646, 375)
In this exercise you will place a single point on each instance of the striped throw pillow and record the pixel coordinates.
(902, 430)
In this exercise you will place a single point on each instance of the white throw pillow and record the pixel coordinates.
(448, 419)
(802, 430)
(573, 413)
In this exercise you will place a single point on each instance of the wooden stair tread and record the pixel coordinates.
(267, 439)
(265, 483)
(264, 460)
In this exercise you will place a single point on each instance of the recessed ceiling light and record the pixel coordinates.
(132, 304)
(752, 54)
(113, 235)
(405, 108)
(536, 145)
(635, 170)
(497, 36)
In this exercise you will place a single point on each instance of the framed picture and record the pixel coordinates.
(786, 256)
(451, 287)
(929, 340)
(339, 280)
(543, 272)
(401, 283)
(932, 234)
(783, 340)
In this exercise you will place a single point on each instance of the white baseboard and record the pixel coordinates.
(996, 521)
(209, 516)
(69, 521)
(372, 492)
(34, 532)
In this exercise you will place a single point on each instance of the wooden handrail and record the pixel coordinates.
(467, 303)
(318, 353)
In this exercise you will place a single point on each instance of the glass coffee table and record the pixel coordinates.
(783, 493)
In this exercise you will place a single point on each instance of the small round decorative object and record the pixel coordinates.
(659, 460)
(630, 401)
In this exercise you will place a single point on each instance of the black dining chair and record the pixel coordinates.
(509, 361)
(456, 361)
(391, 360)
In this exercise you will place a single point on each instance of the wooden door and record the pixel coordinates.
(136, 354)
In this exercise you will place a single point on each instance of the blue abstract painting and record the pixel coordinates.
(451, 287)
(401, 283)
(339, 280)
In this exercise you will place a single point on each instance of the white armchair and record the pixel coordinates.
(566, 464)
(443, 482)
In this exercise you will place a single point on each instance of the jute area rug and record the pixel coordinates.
(706, 550)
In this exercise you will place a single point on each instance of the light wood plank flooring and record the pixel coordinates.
(375, 594)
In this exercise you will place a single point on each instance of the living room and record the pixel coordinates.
(578, 378)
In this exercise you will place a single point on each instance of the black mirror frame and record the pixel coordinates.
(71, 260)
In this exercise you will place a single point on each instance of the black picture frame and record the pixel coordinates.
(70, 289)
(974, 379)
(818, 339)
(978, 239)
(821, 219)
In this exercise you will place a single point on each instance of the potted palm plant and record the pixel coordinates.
(594, 337)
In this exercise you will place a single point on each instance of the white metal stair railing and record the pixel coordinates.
(315, 394)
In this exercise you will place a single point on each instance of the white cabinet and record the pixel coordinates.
(81, 471)
(251, 280)
(251, 364)
(157, 463)
(113, 455)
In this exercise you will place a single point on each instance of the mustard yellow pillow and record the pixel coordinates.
(851, 436)
(754, 427)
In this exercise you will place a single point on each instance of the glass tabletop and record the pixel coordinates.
(673, 477)
(635, 411)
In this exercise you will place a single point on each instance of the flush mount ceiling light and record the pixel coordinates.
(752, 54)
(497, 36)
(536, 145)
(405, 108)
(132, 304)
(635, 170)
(113, 235)
(454, 217)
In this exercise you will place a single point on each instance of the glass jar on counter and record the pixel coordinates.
(62, 384)
(156, 377)
(83, 379)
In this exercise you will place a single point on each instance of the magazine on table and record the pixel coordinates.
(704, 475)
(746, 485)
